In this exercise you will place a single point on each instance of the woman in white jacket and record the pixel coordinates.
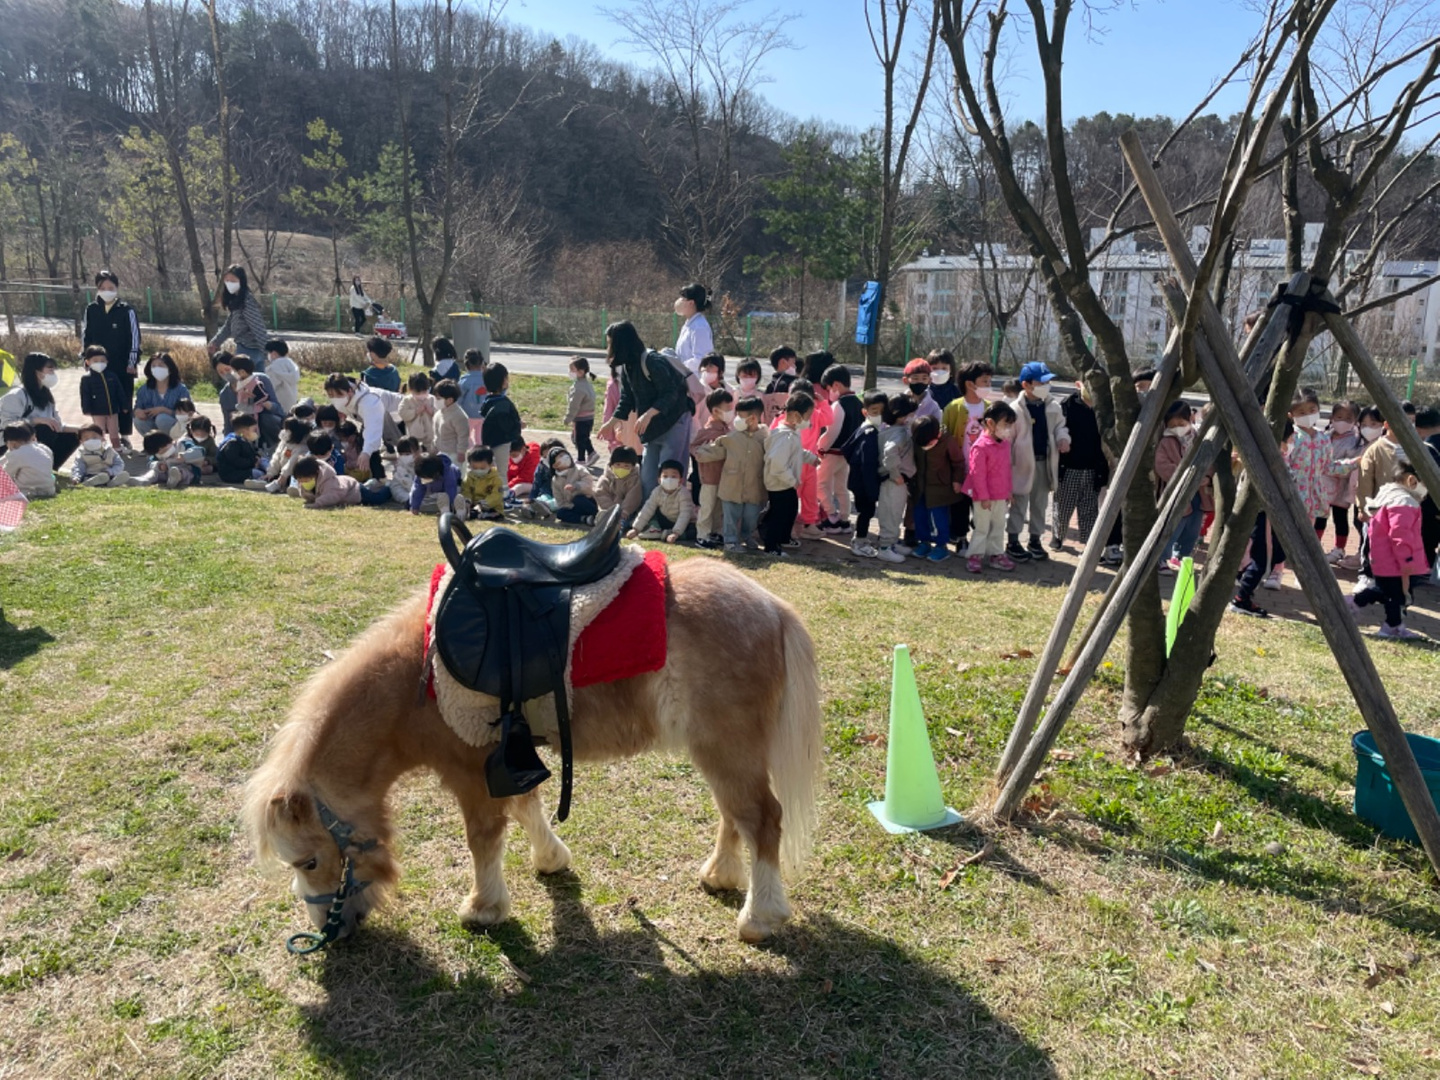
(695, 340)
(1033, 480)
(359, 303)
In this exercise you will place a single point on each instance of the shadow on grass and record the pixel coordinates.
(1330, 769)
(829, 1000)
(17, 645)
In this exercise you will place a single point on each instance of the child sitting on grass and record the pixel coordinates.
(96, 464)
(185, 411)
(520, 477)
(29, 462)
(323, 488)
(167, 467)
(238, 458)
(573, 489)
(200, 436)
(437, 483)
(668, 511)
(620, 484)
(290, 448)
(351, 443)
(481, 491)
(400, 477)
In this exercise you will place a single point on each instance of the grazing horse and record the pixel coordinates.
(317, 807)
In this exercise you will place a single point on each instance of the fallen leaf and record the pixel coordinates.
(1369, 1068)
(1388, 1008)
(827, 987)
(1159, 770)
(1042, 802)
(1025, 654)
(995, 961)
(953, 731)
(868, 740)
(1205, 965)
(1217, 832)
(1063, 755)
(18, 853)
(1063, 671)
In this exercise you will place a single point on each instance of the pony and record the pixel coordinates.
(317, 806)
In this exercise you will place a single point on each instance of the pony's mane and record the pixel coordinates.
(392, 648)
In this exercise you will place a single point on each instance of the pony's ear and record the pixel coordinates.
(294, 806)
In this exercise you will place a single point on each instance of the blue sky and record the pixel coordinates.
(1135, 66)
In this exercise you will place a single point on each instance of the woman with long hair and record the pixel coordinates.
(359, 303)
(244, 321)
(653, 391)
(32, 402)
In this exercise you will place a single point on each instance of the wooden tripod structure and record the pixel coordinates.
(1231, 378)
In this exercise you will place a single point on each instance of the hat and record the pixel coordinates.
(918, 366)
(1036, 372)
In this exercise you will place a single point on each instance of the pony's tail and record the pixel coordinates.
(796, 746)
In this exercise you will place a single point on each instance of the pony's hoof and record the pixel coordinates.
(756, 928)
(552, 860)
(720, 874)
(476, 912)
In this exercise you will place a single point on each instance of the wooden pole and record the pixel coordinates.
(1266, 469)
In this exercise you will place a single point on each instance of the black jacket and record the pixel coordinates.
(101, 395)
(117, 330)
(653, 383)
(501, 422)
(237, 459)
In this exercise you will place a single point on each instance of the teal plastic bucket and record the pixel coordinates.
(1376, 798)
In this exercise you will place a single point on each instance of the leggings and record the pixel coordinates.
(61, 443)
(583, 427)
(864, 511)
(780, 519)
(358, 314)
(581, 507)
(1389, 591)
(1263, 556)
(377, 465)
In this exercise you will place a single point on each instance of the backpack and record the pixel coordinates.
(694, 388)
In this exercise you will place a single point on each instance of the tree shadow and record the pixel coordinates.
(824, 998)
(1335, 772)
(17, 645)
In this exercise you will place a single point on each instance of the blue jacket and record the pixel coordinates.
(472, 393)
(100, 395)
(448, 484)
(386, 378)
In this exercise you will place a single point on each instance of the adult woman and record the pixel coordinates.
(652, 390)
(155, 401)
(359, 302)
(33, 403)
(244, 322)
(695, 340)
(114, 325)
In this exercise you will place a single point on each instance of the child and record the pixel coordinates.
(167, 467)
(452, 426)
(282, 462)
(1313, 464)
(381, 374)
(785, 456)
(284, 374)
(238, 458)
(821, 419)
(669, 507)
(101, 397)
(847, 417)
(29, 462)
(1345, 442)
(447, 366)
(572, 487)
(1040, 438)
(747, 377)
(1170, 450)
(322, 488)
(98, 465)
(481, 490)
(320, 445)
(417, 411)
(327, 419)
(940, 468)
(351, 442)
(540, 484)
(580, 409)
(777, 391)
(720, 412)
(989, 484)
(1084, 470)
(917, 380)
(437, 483)
(897, 467)
(742, 480)
(1397, 556)
(400, 477)
(200, 436)
(862, 457)
(942, 370)
(472, 393)
(255, 394)
(185, 411)
(520, 476)
(620, 484)
(712, 371)
(502, 420)
(963, 419)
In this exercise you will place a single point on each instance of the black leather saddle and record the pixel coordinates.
(502, 628)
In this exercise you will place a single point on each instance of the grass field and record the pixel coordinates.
(156, 640)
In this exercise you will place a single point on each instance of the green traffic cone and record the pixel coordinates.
(913, 801)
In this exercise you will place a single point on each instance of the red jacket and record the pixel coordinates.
(523, 471)
(990, 476)
(1395, 545)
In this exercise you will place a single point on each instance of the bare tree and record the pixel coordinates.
(227, 172)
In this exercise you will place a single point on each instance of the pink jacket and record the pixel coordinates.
(1395, 545)
(990, 477)
(333, 490)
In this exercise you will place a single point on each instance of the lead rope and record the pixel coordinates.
(311, 942)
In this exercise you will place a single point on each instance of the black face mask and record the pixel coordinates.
(919, 388)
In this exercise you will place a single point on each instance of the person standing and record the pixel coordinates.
(1040, 438)
(114, 325)
(695, 340)
(359, 303)
(654, 392)
(244, 322)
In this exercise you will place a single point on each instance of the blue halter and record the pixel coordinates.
(307, 941)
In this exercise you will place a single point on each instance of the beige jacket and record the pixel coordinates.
(743, 478)
(452, 434)
(1022, 444)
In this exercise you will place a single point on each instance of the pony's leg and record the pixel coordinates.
(485, 825)
(725, 868)
(741, 786)
(548, 853)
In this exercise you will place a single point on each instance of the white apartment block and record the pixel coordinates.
(1412, 322)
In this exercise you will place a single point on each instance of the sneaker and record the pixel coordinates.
(1336, 556)
(652, 533)
(1113, 555)
(864, 550)
(974, 564)
(1165, 570)
(708, 543)
(811, 532)
(890, 555)
(901, 549)
(962, 547)
(938, 555)
(717, 539)
(776, 554)
(1016, 552)
(1247, 607)
(1353, 607)
(589, 519)
(1175, 564)
(1056, 544)
(832, 528)
(1272, 582)
(1036, 550)
(733, 549)
(1399, 633)
(1002, 562)
(921, 551)
(792, 543)
(751, 545)
(1350, 562)
(255, 485)
(592, 458)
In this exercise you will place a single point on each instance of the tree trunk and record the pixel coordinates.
(5, 293)
(227, 179)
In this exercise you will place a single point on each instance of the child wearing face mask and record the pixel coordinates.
(185, 411)
(667, 513)
(291, 447)
(101, 397)
(1397, 553)
(821, 418)
(238, 457)
(742, 476)
(1170, 450)
(720, 415)
(481, 492)
(897, 469)
(942, 374)
(573, 489)
(418, 409)
(940, 478)
(989, 483)
(747, 379)
(785, 458)
(400, 476)
(963, 420)
(200, 435)
(168, 468)
(783, 361)
(29, 462)
(520, 477)
(862, 456)
(847, 414)
(620, 484)
(1345, 442)
(580, 409)
(452, 426)
(917, 381)
(437, 484)
(96, 464)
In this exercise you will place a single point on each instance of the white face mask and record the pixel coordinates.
(670, 483)
(805, 425)
(99, 366)
(748, 383)
(709, 376)
(562, 463)
(988, 393)
(1420, 491)
(159, 371)
(107, 295)
(93, 444)
(232, 287)
(1040, 391)
(1003, 432)
(1370, 434)
(50, 379)
(167, 452)
(724, 416)
(939, 376)
(1184, 431)
(1341, 427)
(406, 459)
(1310, 421)
(874, 421)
